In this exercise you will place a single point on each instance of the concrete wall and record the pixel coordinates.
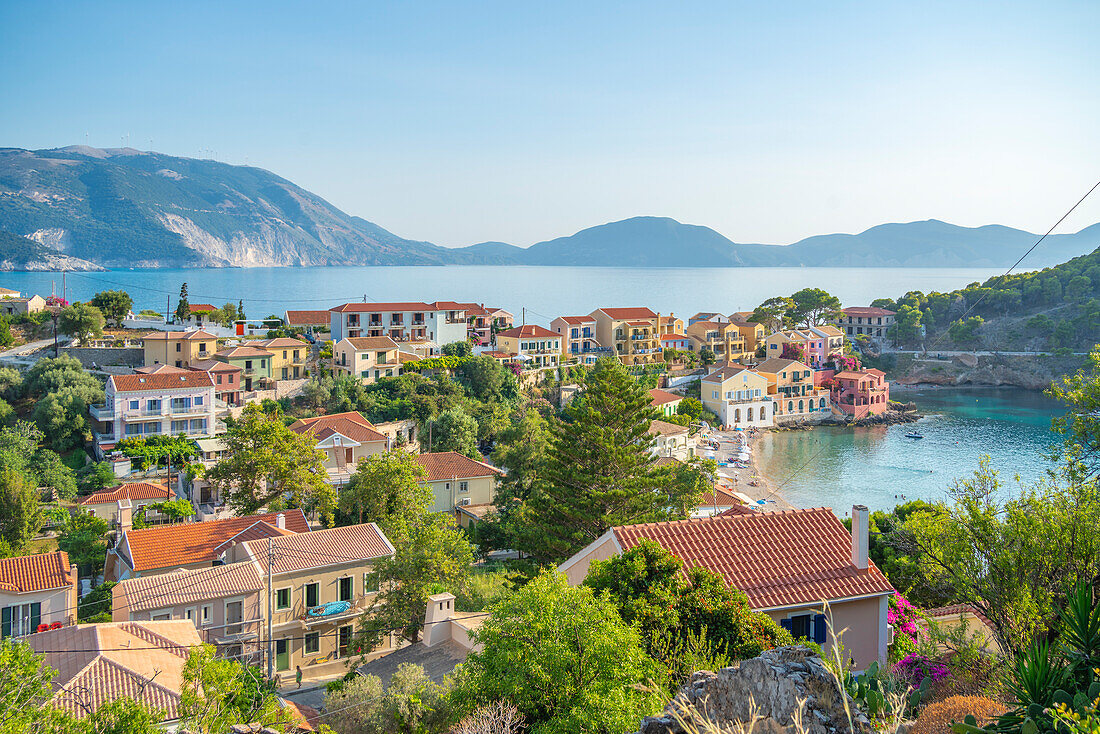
(125, 357)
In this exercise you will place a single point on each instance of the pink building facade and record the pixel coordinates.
(862, 393)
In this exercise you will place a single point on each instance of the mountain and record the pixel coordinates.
(82, 207)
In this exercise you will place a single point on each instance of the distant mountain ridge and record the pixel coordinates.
(81, 207)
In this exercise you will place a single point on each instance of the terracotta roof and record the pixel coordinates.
(206, 307)
(778, 364)
(281, 342)
(8, 292)
(827, 330)
(665, 428)
(307, 318)
(777, 558)
(261, 529)
(661, 397)
(214, 365)
(852, 375)
(628, 313)
(497, 355)
(36, 573)
(170, 546)
(160, 381)
(185, 335)
(445, 465)
(156, 369)
(719, 497)
(188, 586)
(738, 509)
(724, 373)
(330, 547)
(528, 331)
(958, 609)
(236, 352)
(384, 307)
(351, 425)
(477, 512)
(673, 337)
(405, 357)
(578, 319)
(363, 343)
(99, 665)
(305, 717)
(133, 491)
(866, 311)
(704, 316)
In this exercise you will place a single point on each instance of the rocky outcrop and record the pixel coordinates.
(1032, 372)
(786, 690)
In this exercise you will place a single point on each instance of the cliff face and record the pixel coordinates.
(1029, 372)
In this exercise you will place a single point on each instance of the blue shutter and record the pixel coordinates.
(36, 616)
(786, 624)
(820, 629)
(7, 623)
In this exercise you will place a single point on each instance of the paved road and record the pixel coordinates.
(20, 353)
(947, 353)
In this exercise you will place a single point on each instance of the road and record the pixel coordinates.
(20, 354)
(947, 353)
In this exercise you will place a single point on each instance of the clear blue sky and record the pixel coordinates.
(460, 122)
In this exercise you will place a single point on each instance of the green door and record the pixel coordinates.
(282, 655)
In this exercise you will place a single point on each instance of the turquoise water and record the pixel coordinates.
(546, 292)
(880, 467)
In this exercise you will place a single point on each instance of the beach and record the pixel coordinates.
(739, 480)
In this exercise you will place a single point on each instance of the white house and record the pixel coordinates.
(439, 323)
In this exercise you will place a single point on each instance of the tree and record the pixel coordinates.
(486, 379)
(453, 430)
(812, 306)
(229, 314)
(81, 321)
(51, 473)
(599, 471)
(26, 691)
(95, 606)
(63, 391)
(965, 332)
(6, 338)
(411, 703)
(385, 486)
(218, 693)
(773, 313)
(96, 477)
(11, 380)
(113, 304)
(521, 450)
(268, 465)
(563, 656)
(240, 310)
(457, 349)
(706, 356)
(907, 324)
(84, 539)
(183, 308)
(20, 509)
(176, 510)
(119, 716)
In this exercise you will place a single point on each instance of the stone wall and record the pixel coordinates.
(109, 356)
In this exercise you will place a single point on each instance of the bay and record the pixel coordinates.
(543, 293)
(880, 467)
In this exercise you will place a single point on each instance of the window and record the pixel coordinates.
(370, 583)
(180, 426)
(463, 486)
(282, 598)
(284, 354)
(219, 379)
(800, 626)
(234, 614)
(153, 405)
(21, 619)
(206, 614)
(161, 616)
(177, 346)
(313, 593)
(343, 639)
(313, 643)
(198, 400)
(347, 588)
(134, 404)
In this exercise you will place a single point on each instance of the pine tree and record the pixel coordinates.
(240, 311)
(183, 308)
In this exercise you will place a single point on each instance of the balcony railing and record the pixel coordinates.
(102, 412)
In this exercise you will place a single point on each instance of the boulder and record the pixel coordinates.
(787, 690)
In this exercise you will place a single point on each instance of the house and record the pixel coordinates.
(632, 334)
(722, 338)
(977, 625)
(224, 602)
(670, 325)
(834, 338)
(368, 358)
(169, 401)
(9, 293)
(159, 550)
(178, 348)
(457, 480)
(706, 316)
(717, 501)
(861, 393)
(17, 305)
(484, 321)
(794, 395)
(227, 379)
(37, 590)
(446, 643)
(104, 503)
(345, 439)
(401, 433)
(814, 346)
(679, 342)
(578, 338)
(533, 345)
(322, 583)
(288, 357)
(738, 396)
(667, 403)
(501, 358)
(438, 323)
(100, 663)
(671, 440)
(255, 364)
(198, 315)
(752, 332)
(311, 321)
(800, 567)
(869, 320)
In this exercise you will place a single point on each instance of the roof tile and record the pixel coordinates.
(444, 465)
(36, 573)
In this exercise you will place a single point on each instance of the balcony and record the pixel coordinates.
(102, 412)
(143, 414)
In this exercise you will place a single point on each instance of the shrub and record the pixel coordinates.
(936, 718)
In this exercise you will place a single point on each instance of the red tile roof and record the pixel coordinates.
(156, 369)
(168, 546)
(214, 365)
(384, 307)
(307, 318)
(445, 465)
(36, 573)
(160, 381)
(280, 343)
(720, 498)
(866, 311)
(185, 335)
(133, 491)
(351, 425)
(365, 343)
(330, 547)
(661, 397)
(577, 319)
(738, 509)
(629, 313)
(528, 331)
(777, 558)
(202, 307)
(188, 586)
(237, 352)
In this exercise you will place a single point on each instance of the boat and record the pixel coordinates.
(914, 434)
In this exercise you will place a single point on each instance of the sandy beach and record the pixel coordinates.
(738, 480)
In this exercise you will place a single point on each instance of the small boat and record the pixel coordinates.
(914, 434)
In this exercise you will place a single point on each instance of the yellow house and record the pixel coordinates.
(738, 396)
(458, 481)
(752, 332)
(367, 357)
(345, 439)
(16, 305)
(288, 357)
(38, 589)
(633, 334)
(179, 348)
(722, 338)
(531, 344)
(795, 397)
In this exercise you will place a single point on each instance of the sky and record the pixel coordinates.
(462, 122)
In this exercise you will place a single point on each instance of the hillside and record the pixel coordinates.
(123, 208)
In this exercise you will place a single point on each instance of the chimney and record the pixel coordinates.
(860, 532)
(280, 521)
(441, 607)
(125, 517)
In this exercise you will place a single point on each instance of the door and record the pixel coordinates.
(282, 654)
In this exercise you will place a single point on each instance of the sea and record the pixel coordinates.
(880, 467)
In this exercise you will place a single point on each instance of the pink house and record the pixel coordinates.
(861, 393)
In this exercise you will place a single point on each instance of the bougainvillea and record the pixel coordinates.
(914, 668)
(794, 351)
(903, 616)
(844, 362)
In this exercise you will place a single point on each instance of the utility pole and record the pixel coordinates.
(270, 642)
(167, 309)
(523, 316)
(64, 290)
